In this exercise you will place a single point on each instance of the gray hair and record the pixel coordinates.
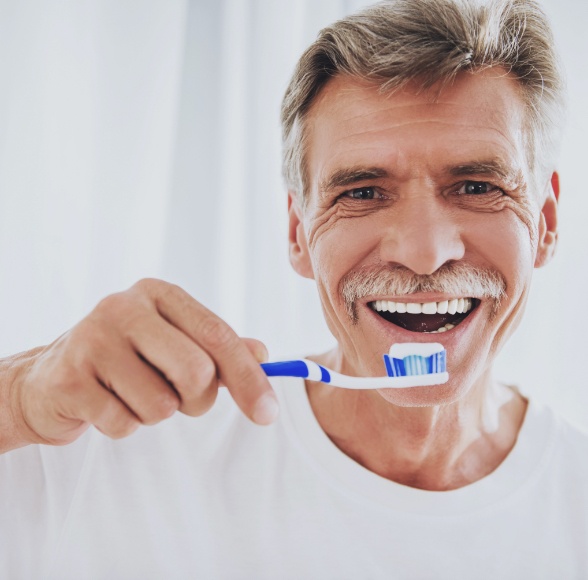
(431, 41)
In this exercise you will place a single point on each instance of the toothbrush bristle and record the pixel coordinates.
(414, 364)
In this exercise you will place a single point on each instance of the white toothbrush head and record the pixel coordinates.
(412, 358)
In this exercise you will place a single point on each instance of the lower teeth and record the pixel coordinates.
(445, 328)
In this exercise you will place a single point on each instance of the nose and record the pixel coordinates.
(422, 234)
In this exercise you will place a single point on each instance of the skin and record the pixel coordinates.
(418, 214)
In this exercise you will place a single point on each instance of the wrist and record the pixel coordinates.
(14, 430)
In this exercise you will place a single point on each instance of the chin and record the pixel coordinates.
(471, 376)
(432, 396)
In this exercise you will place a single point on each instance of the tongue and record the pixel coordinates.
(421, 322)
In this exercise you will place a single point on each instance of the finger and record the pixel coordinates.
(183, 363)
(94, 404)
(237, 368)
(257, 349)
(146, 392)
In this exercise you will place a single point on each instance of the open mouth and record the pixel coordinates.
(430, 317)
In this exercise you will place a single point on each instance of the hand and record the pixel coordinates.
(138, 357)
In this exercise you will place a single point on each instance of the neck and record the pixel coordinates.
(439, 447)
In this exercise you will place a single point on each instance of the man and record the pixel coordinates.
(419, 144)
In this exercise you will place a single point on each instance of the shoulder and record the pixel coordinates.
(568, 448)
(572, 440)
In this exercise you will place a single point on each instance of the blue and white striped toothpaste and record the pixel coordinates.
(408, 364)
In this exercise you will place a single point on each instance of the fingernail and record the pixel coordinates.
(261, 354)
(266, 409)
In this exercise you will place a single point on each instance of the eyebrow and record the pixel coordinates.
(350, 176)
(491, 167)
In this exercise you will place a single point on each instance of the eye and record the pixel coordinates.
(362, 193)
(477, 188)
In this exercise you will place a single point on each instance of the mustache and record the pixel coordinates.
(454, 278)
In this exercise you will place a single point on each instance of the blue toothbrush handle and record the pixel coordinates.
(287, 368)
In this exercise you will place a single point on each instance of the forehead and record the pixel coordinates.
(410, 132)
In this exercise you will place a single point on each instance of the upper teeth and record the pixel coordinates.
(457, 305)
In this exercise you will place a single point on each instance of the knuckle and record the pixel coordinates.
(161, 293)
(86, 346)
(216, 334)
(202, 404)
(172, 294)
(89, 336)
(118, 314)
(173, 290)
(122, 305)
(112, 304)
(153, 287)
(109, 314)
(122, 431)
(121, 426)
(115, 422)
(162, 407)
(148, 286)
(198, 372)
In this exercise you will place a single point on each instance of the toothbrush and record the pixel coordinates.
(407, 365)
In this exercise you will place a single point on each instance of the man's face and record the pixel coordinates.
(433, 184)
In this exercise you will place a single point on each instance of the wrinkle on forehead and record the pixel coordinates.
(411, 125)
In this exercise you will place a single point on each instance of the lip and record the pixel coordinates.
(448, 339)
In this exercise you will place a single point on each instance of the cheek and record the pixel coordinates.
(344, 245)
(504, 242)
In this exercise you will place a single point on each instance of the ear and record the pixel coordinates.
(547, 241)
(298, 246)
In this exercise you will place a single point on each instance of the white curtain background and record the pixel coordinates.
(141, 138)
